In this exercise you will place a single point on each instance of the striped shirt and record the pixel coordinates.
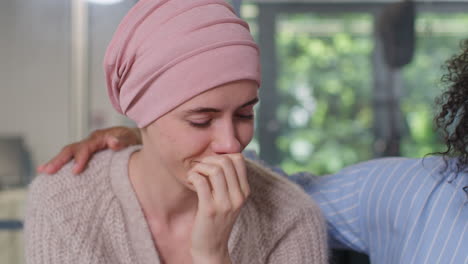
(396, 210)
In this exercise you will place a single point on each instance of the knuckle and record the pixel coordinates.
(195, 178)
(226, 208)
(237, 203)
(225, 162)
(201, 180)
(85, 148)
(95, 134)
(194, 168)
(238, 157)
(247, 192)
(220, 159)
(68, 148)
(216, 171)
(216, 178)
(210, 211)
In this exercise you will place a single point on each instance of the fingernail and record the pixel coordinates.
(114, 140)
(75, 168)
(48, 168)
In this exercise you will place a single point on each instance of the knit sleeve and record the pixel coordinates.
(305, 241)
(42, 243)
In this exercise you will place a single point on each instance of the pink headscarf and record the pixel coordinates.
(165, 52)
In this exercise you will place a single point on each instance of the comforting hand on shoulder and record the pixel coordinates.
(115, 138)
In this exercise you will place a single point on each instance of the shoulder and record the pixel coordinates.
(390, 169)
(279, 201)
(65, 197)
(274, 190)
(364, 180)
(279, 216)
(427, 163)
(64, 181)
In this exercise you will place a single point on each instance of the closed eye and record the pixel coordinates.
(200, 124)
(249, 117)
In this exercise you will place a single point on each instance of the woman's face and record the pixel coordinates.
(218, 121)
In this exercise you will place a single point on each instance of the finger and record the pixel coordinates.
(85, 151)
(40, 168)
(231, 176)
(53, 165)
(216, 177)
(241, 169)
(200, 183)
(114, 143)
(135, 136)
(122, 137)
(81, 159)
(97, 140)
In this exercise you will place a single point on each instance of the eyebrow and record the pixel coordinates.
(214, 110)
(251, 102)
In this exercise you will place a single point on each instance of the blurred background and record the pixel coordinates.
(343, 81)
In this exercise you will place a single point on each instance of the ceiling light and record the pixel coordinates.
(105, 2)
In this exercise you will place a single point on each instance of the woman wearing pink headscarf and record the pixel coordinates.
(187, 72)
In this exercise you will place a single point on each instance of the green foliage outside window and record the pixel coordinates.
(438, 39)
(325, 80)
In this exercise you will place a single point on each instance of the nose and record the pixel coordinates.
(226, 140)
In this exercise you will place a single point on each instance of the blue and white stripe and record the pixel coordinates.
(396, 210)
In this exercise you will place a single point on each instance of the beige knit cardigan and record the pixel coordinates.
(96, 218)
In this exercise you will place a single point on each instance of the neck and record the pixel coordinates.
(163, 199)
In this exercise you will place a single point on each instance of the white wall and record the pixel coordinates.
(35, 71)
(103, 20)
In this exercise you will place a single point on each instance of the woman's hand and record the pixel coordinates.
(222, 189)
(115, 138)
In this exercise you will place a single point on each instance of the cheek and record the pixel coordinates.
(174, 143)
(181, 150)
(245, 133)
(196, 142)
(186, 143)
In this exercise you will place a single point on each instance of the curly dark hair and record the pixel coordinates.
(452, 119)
